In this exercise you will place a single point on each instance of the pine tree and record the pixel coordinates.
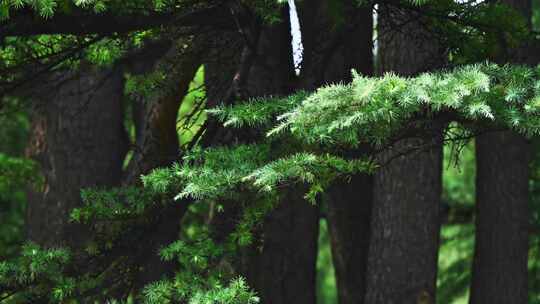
(246, 187)
(402, 265)
(348, 202)
(502, 203)
(69, 144)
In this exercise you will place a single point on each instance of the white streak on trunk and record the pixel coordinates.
(297, 47)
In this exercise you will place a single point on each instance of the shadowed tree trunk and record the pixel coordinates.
(348, 215)
(402, 263)
(502, 206)
(348, 203)
(286, 266)
(157, 142)
(502, 218)
(157, 145)
(335, 41)
(278, 266)
(79, 140)
(284, 271)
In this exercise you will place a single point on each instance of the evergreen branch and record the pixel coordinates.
(372, 110)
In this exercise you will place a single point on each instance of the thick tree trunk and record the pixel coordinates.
(335, 40)
(157, 141)
(349, 203)
(286, 267)
(502, 206)
(402, 263)
(284, 271)
(79, 140)
(158, 146)
(279, 267)
(348, 216)
(502, 218)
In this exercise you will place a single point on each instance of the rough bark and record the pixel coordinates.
(279, 267)
(348, 216)
(334, 42)
(406, 45)
(157, 145)
(284, 271)
(329, 55)
(502, 217)
(79, 140)
(402, 262)
(349, 202)
(502, 206)
(157, 138)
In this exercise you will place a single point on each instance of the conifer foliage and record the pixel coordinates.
(368, 110)
(307, 141)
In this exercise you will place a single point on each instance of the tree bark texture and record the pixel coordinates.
(335, 41)
(402, 262)
(278, 266)
(348, 215)
(283, 269)
(157, 146)
(406, 44)
(502, 218)
(157, 141)
(502, 205)
(79, 140)
(348, 203)
(329, 54)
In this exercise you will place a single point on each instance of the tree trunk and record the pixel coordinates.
(402, 262)
(158, 146)
(348, 216)
(502, 217)
(329, 54)
(286, 267)
(157, 142)
(284, 271)
(336, 40)
(502, 206)
(79, 140)
(349, 203)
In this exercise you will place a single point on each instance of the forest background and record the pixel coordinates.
(173, 152)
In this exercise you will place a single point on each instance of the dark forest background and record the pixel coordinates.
(116, 186)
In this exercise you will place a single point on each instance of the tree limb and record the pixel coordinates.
(27, 23)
